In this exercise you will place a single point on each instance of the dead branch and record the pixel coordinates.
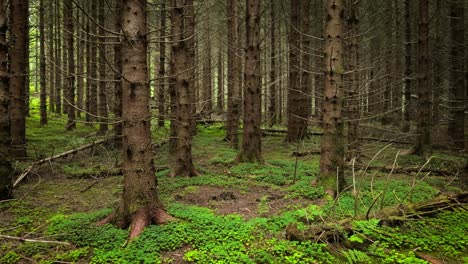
(22, 239)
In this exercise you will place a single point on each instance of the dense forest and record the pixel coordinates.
(228, 131)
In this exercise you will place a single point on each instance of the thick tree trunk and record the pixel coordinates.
(19, 49)
(272, 115)
(354, 82)
(252, 139)
(140, 204)
(408, 70)
(332, 144)
(68, 12)
(183, 154)
(423, 145)
(233, 85)
(190, 42)
(5, 136)
(43, 96)
(297, 114)
(102, 102)
(118, 78)
(162, 68)
(458, 103)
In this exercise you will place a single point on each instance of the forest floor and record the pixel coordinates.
(244, 213)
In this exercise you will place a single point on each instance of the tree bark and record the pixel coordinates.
(18, 52)
(118, 78)
(423, 145)
(162, 67)
(58, 60)
(93, 77)
(272, 116)
(332, 144)
(220, 95)
(102, 102)
(140, 204)
(457, 90)
(43, 94)
(252, 139)
(5, 136)
(408, 70)
(80, 45)
(68, 12)
(51, 37)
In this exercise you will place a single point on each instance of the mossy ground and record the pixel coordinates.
(228, 214)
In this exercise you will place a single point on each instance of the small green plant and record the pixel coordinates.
(10, 258)
(354, 256)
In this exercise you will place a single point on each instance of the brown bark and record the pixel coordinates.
(207, 90)
(272, 115)
(332, 145)
(220, 95)
(408, 70)
(64, 65)
(297, 115)
(51, 37)
(42, 74)
(305, 84)
(80, 45)
(162, 68)
(457, 76)
(190, 40)
(18, 51)
(140, 204)
(118, 78)
(58, 59)
(233, 85)
(354, 82)
(69, 31)
(102, 102)
(92, 77)
(5, 137)
(423, 145)
(183, 153)
(252, 139)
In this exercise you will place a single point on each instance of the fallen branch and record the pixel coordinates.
(407, 170)
(22, 239)
(305, 153)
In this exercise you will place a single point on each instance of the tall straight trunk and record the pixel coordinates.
(140, 204)
(332, 144)
(408, 69)
(58, 59)
(183, 154)
(423, 145)
(386, 110)
(233, 103)
(19, 21)
(42, 66)
(397, 72)
(93, 77)
(458, 88)
(88, 116)
(437, 67)
(305, 60)
(272, 115)
(51, 51)
(102, 102)
(69, 31)
(297, 113)
(220, 95)
(252, 140)
(64, 65)
(118, 78)
(207, 104)
(162, 67)
(5, 136)
(80, 46)
(190, 40)
(354, 81)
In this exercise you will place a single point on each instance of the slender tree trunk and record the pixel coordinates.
(183, 154)
(190, 40)
(272, 115)
(458, 88)
(397, 70)
(64, 65)
(162, 68)
(5, 136)
(408, 69)
(332, 144)
(354, 81)
(58, 60)
(18, 70)
(252, 140)
(52, 71)
(102, 102)
(42, 74)
(207, 104)
(140, 204)
(118, 78)
(233, 74)
(68, 12)
(93, 77)
(424, 140)
(220, 95)
(80, 45)
(305, 84)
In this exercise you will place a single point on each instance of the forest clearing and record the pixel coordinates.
(279, 131)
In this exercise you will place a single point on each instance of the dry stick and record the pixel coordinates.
(22, 239)
(354, 187)
(388, 178)
(415, 177)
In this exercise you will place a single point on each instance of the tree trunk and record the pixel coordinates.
(305, 84)
(118, 78)
(140, 204)
(19, 49)
(58, 60)
(423, 145)
(5, 136)
(207, 103)
(408, 70)
(272, 117)
(457, 93)
(190, 42)
(80, 45)
(234, 101)
(93, 78)
(332, 144)
(102, 102)
(51, 37)
(162, 67)
(354, 82)
(43, 96)
(220, 95)
(68, 12)
(252, 139)
(183, 153)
